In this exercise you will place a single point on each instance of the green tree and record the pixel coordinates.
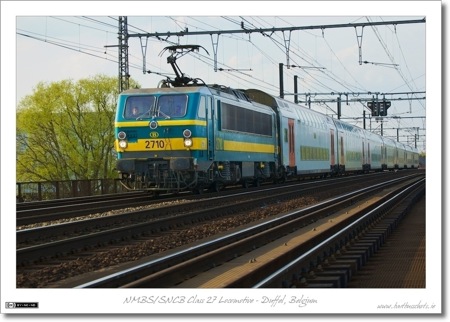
(65, 130)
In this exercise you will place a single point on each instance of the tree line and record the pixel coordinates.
(65, 130)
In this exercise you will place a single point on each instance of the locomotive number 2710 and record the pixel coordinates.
(154, 144)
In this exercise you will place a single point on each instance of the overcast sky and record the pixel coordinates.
(64, 40)
(59, 47)
(56, 47)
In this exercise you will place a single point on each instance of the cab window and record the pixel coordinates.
(172, 106)
(139, 106)
(204, 107)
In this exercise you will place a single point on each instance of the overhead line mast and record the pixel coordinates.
(124, 73)
(124, 69)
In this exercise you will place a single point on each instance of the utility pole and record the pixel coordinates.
(295, 89)
(280, 66)
(339, 107)
(364, 119)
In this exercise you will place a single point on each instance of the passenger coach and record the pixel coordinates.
(313, 143)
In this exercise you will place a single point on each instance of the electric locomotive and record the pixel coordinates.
(189, 136)
(192, 138)
(186, 135)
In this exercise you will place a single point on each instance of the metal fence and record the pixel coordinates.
(48, 190)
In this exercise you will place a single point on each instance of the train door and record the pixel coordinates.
(332, 157)
(206, 111)
(210, 120)
(291, 143)
(363, 154)
(341, 152)
(395, 156)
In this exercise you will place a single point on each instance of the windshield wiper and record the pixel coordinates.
(140, 116)
(164, 114)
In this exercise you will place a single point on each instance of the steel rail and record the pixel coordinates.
(288, 270)
(30, 234)
(129, 276)
(193, 213)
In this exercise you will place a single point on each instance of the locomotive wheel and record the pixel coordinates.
(198, 190)
(281, 175)
(281, 179)
(154, 194)
(217, 186)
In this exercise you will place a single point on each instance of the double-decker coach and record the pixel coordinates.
(308, 140)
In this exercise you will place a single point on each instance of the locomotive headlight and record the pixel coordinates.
(188, 143)
(123, 144)
(187, 133)
(122, 135)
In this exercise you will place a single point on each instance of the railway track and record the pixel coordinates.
(34, 213)
(36, 205)
(193, 267)
(323, 265)
(81, 248)
(36, 244)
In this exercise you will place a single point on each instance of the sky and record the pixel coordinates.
(66, 40)
(53, 48)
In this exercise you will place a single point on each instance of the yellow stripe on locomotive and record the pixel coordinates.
(163, 144)
(237, 146)
(173, 144)
(138, 124)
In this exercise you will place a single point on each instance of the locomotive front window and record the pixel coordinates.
(138, 107)
(172, 106)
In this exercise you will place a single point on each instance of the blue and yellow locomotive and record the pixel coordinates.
(184, 135)
(192, 138)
